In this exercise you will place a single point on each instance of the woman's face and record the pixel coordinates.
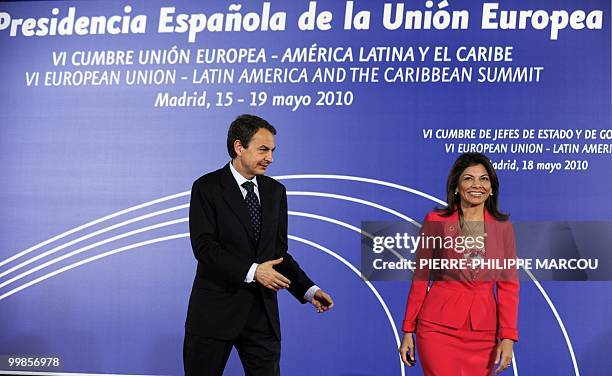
(474, 186)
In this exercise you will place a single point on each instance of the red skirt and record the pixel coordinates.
(445, 351)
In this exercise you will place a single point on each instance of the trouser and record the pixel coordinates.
(258, 348)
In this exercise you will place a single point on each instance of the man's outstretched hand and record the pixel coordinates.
(266, 276)
(321, 301)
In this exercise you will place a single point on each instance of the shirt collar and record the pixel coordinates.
(239, 178)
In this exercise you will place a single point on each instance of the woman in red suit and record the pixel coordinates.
(466, 321)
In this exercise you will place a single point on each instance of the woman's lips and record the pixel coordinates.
(476, 194)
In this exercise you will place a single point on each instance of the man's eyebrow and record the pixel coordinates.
(267, 147)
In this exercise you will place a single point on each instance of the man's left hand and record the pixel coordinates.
(321, 301)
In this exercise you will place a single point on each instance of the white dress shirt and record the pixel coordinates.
(250, 277)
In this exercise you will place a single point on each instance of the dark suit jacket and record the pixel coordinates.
(223, 244)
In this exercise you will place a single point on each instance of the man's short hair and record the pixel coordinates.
(243, 129)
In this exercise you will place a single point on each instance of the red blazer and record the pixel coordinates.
(450, 300)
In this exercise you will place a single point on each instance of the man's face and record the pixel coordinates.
(255, 159)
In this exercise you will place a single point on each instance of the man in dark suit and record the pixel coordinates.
(238, 228)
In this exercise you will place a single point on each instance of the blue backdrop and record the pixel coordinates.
(95, 262)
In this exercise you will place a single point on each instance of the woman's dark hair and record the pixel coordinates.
(243, 129)
(453, 200)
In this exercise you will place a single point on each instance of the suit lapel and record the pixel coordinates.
(452, 229)
(266, 199)
(233, 198)
(492, 239)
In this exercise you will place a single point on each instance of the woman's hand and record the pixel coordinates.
(407, 349)
(503, 355)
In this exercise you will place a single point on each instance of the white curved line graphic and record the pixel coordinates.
(539, 286)
(306, 176)
(293, 213)
(94, 222)
(90, 259)
(326, 219)
(289, 193)
(356, 229)
(561, 325)
(343, 224)
(186, 235)
(357, 200)
(86, 248)
(187, 193)
(90, 235)
(368, 283)
(364, 180)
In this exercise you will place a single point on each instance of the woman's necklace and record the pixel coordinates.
(476, 253)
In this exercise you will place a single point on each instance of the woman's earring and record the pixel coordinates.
(456, 191)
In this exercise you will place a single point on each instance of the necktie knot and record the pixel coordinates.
(249, 186)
